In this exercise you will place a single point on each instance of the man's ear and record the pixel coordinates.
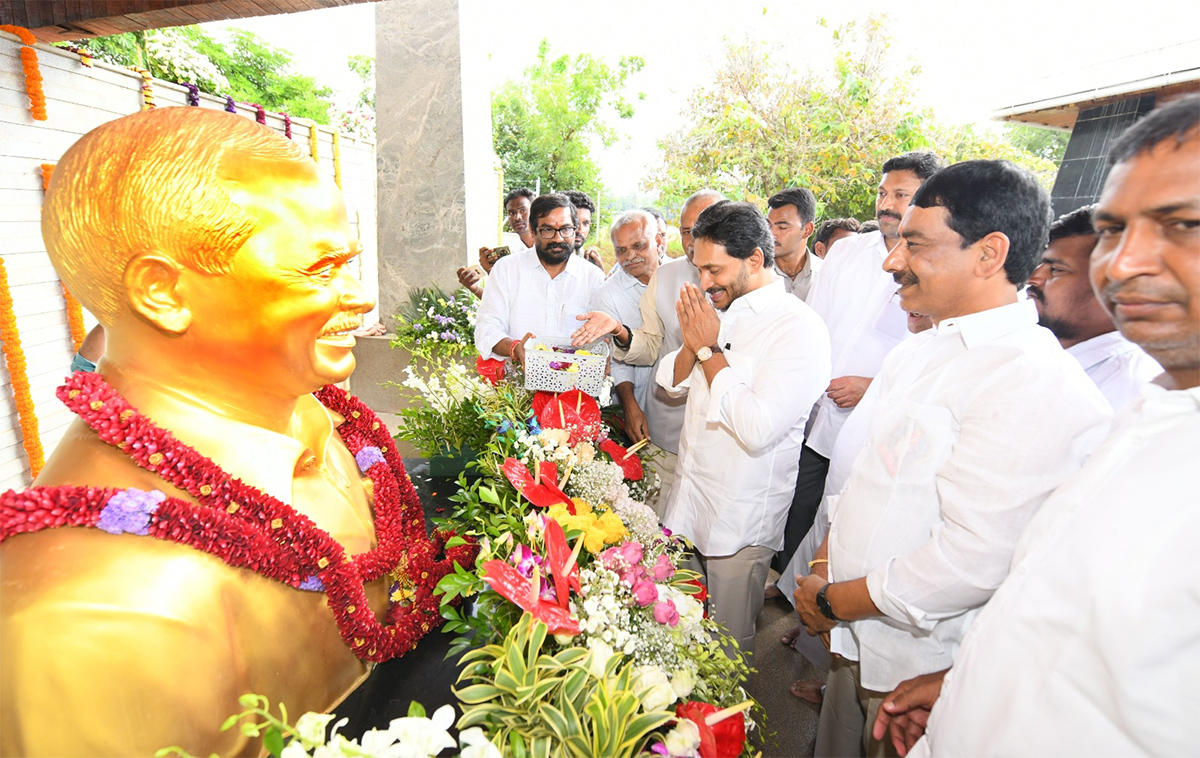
(756, 260)
(808, 230)
(152, 291)
(993, 252)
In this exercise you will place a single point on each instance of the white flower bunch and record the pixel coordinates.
(604, 614)
(176, 55)
(596, 481)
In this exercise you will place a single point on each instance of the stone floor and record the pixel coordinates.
(791, 726)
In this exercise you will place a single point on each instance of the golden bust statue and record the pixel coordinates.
(215, 256)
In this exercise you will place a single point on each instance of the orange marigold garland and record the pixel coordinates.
(14, 356)
(47, 171)
(147, 87)
(33, 77)
(74, 318)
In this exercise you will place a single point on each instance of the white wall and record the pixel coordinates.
(78, 99)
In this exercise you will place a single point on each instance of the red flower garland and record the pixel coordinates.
(247, 528)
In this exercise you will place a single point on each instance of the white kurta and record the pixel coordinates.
(974, 425)
(741, 439)
(857, 300)
(1119, 368)
(520, 297)
(1092, 645)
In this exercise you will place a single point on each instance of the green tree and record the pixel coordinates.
(1043, 142)
(244, 67)
(544, 124)
(358, 117)
(760, 127)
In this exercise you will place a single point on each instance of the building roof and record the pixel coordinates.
(78, 19)
(1056, 100)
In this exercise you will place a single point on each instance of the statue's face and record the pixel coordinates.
(280, 319)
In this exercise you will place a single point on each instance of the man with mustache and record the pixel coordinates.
(1067, 306)
(855, 297)
(636, 242)
(1074, 676)
(586, 209)
(791, 216)
(975, 423)
(750, 378)
(658, 335)
(516, 209)
(539, 291)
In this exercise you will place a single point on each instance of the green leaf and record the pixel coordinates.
(416, 710)
(273, 741)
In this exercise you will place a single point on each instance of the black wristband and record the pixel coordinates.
(624, 345)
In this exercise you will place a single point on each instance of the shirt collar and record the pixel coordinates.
(757, 300)
(805, 272)
(534, 263)
(880, 245)
(990, 325)
(1090, 352)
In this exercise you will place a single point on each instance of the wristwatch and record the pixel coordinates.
(707, 352)
(824, 606)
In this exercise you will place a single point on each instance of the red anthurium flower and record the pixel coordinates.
(575, 411)
(506, 580)
(630, 464)
(542, 490)
(540, 401)
(490, 370)
(561, 560)
(723, 739)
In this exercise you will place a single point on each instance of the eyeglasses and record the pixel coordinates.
(548, 233)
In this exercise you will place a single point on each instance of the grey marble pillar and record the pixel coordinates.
(422, 148)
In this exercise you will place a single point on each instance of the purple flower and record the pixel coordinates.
(129, 512)
(229, 106)
(368, 457)
(313, 584)
(525, 559)
(659, 748)
(193, 94)
(665, 613)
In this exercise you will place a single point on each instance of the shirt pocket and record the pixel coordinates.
(916, 444)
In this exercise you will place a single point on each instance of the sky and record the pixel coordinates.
(974, 57)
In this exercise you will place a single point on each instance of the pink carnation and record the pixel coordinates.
(663, 570)
(645, 592)
(665, 613)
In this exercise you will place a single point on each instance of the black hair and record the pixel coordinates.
(738, 227)
(868, 226)
(982, 197)
(580, 200)
(803, 199)
(1077, 223)
(923, 163)
(543, 205)
(658, 216)
(518, 192)
(829, 226)
(1177, 119)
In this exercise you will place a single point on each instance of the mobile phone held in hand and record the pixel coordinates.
(498, 253)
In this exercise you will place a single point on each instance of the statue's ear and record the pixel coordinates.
(152, 291)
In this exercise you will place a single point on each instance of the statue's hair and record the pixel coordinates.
(151, 182)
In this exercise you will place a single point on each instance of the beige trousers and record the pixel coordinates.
(848, 716)
(735, 594)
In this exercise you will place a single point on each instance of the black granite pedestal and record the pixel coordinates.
(424, 675)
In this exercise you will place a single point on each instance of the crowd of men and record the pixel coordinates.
(964, 435)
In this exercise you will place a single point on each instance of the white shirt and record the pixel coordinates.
(1092, 645)
(801, 284)
(856, 298)
(741, 439)
(521, 297)
(974, 425)
(620, 295)
(1118, 367)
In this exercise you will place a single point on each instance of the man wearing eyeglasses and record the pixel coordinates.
(538, 291)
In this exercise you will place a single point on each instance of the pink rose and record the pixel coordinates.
(632, 552)
(645, 592)
(665, 613)
(632, 576)
(663, 570)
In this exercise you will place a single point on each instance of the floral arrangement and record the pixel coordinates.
(446, 402)
(436, 323)
(413, 736)
(566, 548)
(33, 76)
(14, 357)
(147, 87)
